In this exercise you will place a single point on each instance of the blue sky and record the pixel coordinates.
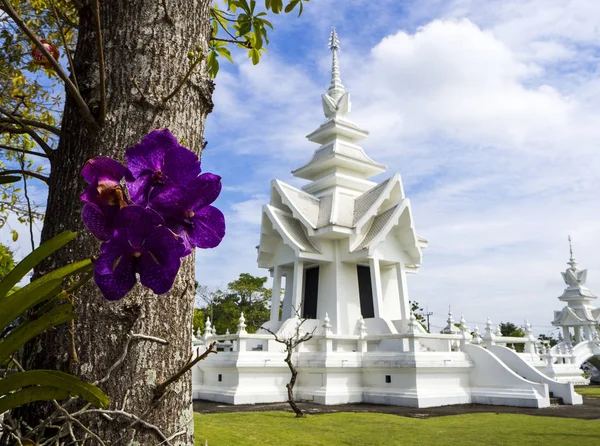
(488, 109)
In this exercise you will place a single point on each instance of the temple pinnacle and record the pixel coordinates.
(336, 89)
(571, 261)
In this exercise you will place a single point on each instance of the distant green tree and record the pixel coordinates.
(418, 312)
(548, 338)
(198, 321)
(246, 294)
(512, 330)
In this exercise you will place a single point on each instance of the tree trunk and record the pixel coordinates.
(290, 385)
(147, 44)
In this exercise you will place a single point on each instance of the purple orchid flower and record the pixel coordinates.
(166, 213)
(159, 161)
(187, 212)
(104, 196)
(141, 246)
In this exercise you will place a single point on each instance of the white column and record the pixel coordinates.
(276, 294)
(577, 329)
(376, 287)
(297, 288)
(566, 334)
(402, 291)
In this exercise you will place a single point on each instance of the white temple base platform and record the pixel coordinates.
(421, 379)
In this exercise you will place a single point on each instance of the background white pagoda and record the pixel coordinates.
(343, 243)
(578, 315)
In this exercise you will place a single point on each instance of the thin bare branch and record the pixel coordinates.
(26, 152)
(160, 389)
(32, 123)
(29, 213)
(167, 17)
(72, 419)
(101, 67)
(119, 361)
(192, 67)
(39, 176)
(64, 40)
(245, 43)
(138, 420)
(37, 138)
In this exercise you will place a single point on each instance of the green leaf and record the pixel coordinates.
(212, 64)
(225, 53)
(27, 297)
(255, 56)
(52, 378)
(30, 329)
(33, 259)
(7, 179)
(15, 235)
(276, 6)
(290, 7)
(29, 395)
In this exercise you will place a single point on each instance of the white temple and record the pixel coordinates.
(345, 245)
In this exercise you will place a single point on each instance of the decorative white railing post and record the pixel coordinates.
(241, 347)
(466, 336)
(413, 343)
(362, 334)
(327, 344)
(498, 335)
(571, 354)
(549, 359)
(476, 336)
(488, 336)
(530, 346)
(207, 330)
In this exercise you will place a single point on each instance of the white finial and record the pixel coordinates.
(528, 329)
(571, 261)
(488, 329)
(227, 332)
(463, 324)
(242, 324)
(327, 324)
(207, 329)
(450, 319)
(476, 335)
(336, 88)
(198, 333)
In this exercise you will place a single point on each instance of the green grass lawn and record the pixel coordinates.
(588, 391)
(368, 429)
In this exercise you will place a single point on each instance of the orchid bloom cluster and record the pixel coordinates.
(160, 217)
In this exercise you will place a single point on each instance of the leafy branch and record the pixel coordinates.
(244, 26)
(69, 85)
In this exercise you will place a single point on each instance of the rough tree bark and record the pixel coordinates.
(145, 42)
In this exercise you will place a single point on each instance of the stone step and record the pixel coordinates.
(556, 401)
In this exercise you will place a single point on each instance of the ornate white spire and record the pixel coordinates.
(336, 88)
(571, 261)
(575, 280)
